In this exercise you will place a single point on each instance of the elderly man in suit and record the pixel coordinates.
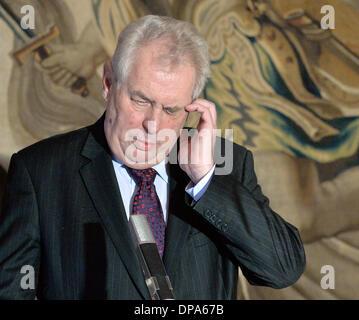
(69, 198)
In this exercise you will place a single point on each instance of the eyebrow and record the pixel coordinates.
(142, 96)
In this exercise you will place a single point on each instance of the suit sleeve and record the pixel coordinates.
(268, 249)
(19, 235)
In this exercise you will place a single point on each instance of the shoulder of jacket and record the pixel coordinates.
(55, 145)
(237, 148)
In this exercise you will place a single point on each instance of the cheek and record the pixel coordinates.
(174, 124)
(132, 120)
(124, 117)
(178, 123)
(128, 121)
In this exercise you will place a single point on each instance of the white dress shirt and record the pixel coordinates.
(128, 186)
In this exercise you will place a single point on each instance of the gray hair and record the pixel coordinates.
(185, 42)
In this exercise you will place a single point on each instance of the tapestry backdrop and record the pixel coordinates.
(288, 88)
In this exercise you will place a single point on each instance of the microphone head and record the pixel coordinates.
(142, 230)
(156, 278)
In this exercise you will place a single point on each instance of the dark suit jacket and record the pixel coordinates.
(62, 213)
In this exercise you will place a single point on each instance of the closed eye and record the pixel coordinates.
(174, 110)
(170, 111)
(140, 102)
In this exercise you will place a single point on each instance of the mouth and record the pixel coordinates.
(143, 145)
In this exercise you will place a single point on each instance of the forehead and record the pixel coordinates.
(158, 78)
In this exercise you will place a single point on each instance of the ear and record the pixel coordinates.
(107, 80)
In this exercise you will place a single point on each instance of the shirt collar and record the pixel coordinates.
(161, 168)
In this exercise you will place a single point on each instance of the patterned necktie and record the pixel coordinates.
(147, 202)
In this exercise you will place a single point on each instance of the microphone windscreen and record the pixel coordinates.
(157, 280)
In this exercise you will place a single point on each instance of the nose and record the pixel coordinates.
(151, 121)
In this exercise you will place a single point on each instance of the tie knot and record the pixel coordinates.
(140, 175)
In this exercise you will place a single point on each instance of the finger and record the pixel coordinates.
(206, 119)
(65, 79)
(58, 76)
(51, 61)
(184, 136)
(53, 70)
(38, 65)
(210, 105)
(185, 147)
(70, 81)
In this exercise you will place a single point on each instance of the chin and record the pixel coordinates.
(143, 162)
(140, 166)
(137, 158)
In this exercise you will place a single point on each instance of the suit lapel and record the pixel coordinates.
(101, 183)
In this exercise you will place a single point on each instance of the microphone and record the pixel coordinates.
(157, 280)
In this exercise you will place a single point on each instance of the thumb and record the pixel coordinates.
(184, 147)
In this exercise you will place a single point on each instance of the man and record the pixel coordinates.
(68, 198)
